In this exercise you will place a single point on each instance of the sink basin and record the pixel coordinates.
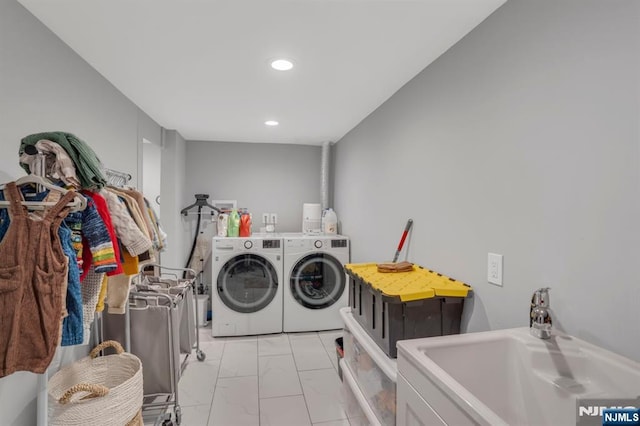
(508, 377)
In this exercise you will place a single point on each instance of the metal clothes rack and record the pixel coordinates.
(161, 303)
(42, 395)
(117, 178)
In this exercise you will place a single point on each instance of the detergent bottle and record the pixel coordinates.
(234, 224)
(329, 221)
(245, 225)
(223, 224)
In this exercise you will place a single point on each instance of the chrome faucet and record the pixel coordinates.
(539, 315)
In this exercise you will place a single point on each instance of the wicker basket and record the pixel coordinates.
(98, 391)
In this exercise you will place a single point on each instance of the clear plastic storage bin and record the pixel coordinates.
(373, 371)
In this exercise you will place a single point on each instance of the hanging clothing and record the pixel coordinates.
(72, 322)
(127, 231)
(135, 243)
(161, 235)
(90, 292)
(93, 272)
(33, 273)
(103, 211)
(100, 252)
(130, 264)
(138, 199)
(102, 295)
(74, 222)
(134, 211)
(88, 166)
(118, 292)
(58, 164)
(89, 229)
(72, 331)
(201, 253)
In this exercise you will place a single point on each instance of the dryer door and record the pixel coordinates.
(317, 281)
(247, 283)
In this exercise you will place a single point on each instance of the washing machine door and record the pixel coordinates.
(317, 281)
(247, 283)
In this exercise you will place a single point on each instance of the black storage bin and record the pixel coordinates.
(404, 305)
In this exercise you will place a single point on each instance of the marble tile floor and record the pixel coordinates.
(287, 379)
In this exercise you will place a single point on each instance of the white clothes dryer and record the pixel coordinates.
(246, 294)
(315, 286)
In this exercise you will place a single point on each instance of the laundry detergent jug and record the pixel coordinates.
(245, 225)
(234, 224)
(222, 224)
(329, 221)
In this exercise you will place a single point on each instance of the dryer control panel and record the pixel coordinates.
(339, 243)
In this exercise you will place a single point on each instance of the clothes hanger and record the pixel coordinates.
(78, 203)
(201, 201)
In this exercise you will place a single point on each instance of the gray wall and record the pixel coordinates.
(45, 86)
(151, 131)
(172, 198)
(264, 178)
(522, 140)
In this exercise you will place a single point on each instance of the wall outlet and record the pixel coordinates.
(265, 218)
(274, 218)
(494, 269)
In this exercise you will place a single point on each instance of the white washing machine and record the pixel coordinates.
(315, 286)
(246, 295)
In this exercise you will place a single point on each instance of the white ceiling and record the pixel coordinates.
(202, 66)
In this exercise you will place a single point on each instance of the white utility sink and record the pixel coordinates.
(508, 377)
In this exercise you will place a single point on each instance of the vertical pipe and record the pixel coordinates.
(42, 396)
(324, 175)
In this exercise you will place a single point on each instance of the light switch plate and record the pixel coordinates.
(494, 269)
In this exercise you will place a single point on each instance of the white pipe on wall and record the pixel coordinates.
(324, 178)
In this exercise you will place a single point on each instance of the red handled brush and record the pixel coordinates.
(404, 237)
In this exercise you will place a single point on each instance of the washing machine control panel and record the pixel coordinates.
(270, 244)
(318, 244)
(248, 244)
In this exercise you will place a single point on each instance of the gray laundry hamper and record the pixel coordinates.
(187, 315)
(155, 339)
(166, 279)
(161, 324)
(188, 327)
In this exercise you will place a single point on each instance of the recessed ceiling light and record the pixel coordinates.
(271, 123)
(282, 65)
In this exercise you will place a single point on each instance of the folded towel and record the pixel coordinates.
(395, 267)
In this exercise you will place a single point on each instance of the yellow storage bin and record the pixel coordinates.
(404, 305)
(413, 285)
